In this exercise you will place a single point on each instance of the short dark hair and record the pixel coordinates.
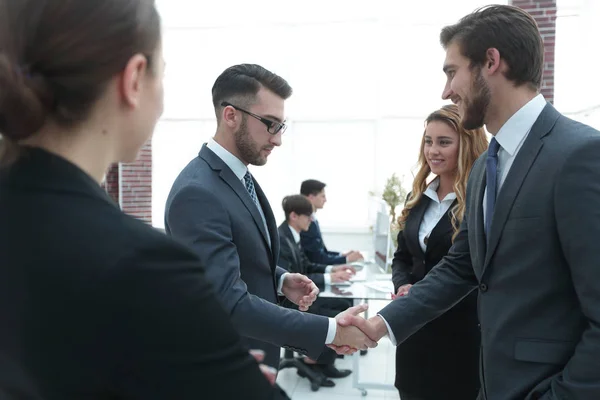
(311, 186)
(510, 30)
(298, 204)
(57, 57)
(240, 84)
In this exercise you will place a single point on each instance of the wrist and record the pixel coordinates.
(379, 327)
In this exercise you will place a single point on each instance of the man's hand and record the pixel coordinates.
(374, 328)
(344, 267)
(353, 256)
(269, 372)
(349, 338)
(402, 291)
(340, 276)
(299, 290)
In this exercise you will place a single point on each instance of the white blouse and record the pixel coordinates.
(435, 211)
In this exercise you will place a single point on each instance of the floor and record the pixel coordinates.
(376, 366)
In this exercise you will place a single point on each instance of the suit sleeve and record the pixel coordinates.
(401, 264)
(312, 244)
(445, 285)
(174, 339)
(198, 219)
(577, 202)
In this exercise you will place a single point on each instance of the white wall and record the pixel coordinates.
(365, 74)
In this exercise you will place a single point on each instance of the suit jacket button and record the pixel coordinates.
(483, 287)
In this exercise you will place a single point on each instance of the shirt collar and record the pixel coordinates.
(514, 131)
(431, 192)
(295, 234)
(234, 163)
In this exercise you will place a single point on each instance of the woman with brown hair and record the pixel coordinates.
(95, 304)
(440, 361)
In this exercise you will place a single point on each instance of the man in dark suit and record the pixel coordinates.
(298, 210)
(311, 239)
(528, 242)
(218, 209)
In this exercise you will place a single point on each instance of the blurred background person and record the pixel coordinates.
(312, 239)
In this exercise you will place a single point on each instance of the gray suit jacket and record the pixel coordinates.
(210, 210)
(538, 277)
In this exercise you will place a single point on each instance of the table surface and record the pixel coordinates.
(377, 286)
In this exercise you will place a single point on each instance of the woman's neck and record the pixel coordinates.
(87, 149)
(446, 186)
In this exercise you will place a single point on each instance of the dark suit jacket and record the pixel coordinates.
(537, 274)
(95, 304)
(210, 210)
(314, 247)
(441, 360)
(293, 259)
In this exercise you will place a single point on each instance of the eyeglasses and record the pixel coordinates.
(273, 127)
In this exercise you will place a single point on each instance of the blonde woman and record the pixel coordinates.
(441, 360)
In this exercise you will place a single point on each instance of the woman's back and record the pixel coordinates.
(96, 304)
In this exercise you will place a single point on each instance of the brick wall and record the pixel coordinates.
(136, 185)
(544, 12)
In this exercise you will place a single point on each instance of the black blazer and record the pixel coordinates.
(293, 259)
(315, 249)
(440, 361)
(95, 304)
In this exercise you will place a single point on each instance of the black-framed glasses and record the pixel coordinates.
(273, 127)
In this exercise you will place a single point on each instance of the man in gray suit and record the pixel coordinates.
(217, 208)
(529, 239)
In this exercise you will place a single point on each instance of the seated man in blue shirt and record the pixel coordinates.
(312, 240)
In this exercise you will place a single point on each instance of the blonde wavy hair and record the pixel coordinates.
(472, 143)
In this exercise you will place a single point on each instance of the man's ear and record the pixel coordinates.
(132, 80)
(492, 62)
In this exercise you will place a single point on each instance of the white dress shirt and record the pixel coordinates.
(240, 169)
(435, 211)
(510, 137)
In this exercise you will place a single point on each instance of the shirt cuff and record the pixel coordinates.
(280, 284)
(327, 278)
(328, 269)
(390, 333)
(331, 331)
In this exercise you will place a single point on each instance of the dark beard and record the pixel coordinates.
(476, 109)
(246, 146)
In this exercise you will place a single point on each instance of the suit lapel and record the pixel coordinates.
(475, 219)
(413, 223)
(227, 175)
(518, 171)
(286, 233)
(270, 219)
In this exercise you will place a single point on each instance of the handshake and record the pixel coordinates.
(356, 333)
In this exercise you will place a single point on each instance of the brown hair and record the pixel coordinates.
(239, 84)
(57, 57)
(510, 30)
(298, 204)
(472, 144)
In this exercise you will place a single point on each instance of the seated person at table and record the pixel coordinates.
(297, 211)
(311, 239)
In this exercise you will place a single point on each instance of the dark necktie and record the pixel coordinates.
(492, 182)
(250, 187)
